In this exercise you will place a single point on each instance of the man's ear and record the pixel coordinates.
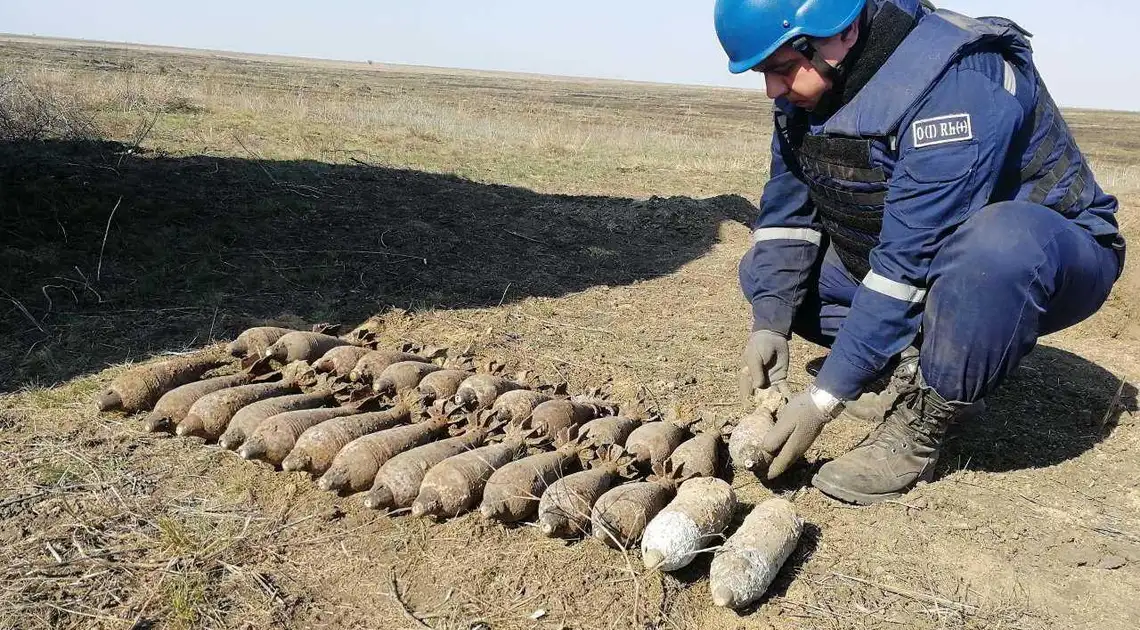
(850, 34)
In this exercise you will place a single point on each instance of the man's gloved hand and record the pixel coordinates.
(765, 362)
(798, 425)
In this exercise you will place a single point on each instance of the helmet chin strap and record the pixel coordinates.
(836, 75)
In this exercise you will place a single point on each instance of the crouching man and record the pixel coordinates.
(928, 212)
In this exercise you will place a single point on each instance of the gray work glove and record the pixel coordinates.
(765, 362)
(798, 425)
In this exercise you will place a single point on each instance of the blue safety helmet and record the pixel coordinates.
(750, 30)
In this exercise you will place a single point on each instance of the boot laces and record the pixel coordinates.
(917, 414)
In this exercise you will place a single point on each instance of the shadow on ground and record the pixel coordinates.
(1053, 408)
(203, 246)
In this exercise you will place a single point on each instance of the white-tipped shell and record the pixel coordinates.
(670, 541)
(694, 520)
(746, 565)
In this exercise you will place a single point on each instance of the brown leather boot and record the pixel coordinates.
(899, 453)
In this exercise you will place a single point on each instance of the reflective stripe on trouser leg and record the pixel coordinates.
(894, 289)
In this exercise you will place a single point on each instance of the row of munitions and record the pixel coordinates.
(469, 449)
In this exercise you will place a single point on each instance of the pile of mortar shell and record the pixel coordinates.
(410, 433)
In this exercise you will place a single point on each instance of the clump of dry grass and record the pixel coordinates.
(90, 540)
(531, 143)
(28, 113)
(80, 538)
(129, 93)
(1122, 180)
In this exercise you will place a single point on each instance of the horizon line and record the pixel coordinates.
(173, 49)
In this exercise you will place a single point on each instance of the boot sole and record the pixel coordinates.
(851, 496)
(862, 498)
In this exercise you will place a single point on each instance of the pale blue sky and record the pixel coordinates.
(1084, 48)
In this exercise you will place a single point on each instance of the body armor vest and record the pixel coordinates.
(848, 186)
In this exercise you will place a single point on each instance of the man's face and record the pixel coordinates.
(789, 74)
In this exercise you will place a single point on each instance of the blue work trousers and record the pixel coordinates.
(1012, 272)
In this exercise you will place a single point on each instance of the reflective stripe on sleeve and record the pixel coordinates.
(891, 288)
(1010, 81)
(789, 234)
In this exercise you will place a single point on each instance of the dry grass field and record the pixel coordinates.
(586, 231)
